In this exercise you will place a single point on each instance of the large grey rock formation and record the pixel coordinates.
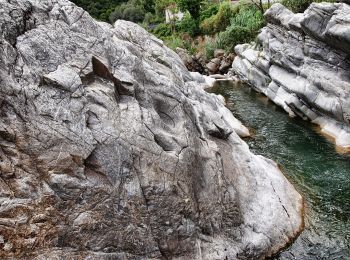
(110, 149)
(302, 64)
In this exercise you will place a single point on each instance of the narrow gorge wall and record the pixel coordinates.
(301, 62)
(110, 149)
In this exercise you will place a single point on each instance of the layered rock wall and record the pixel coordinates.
(301, 62)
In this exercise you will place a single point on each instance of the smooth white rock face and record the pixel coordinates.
(303, 65)
(237, 125)
(111, 149)
(198, 77)
(209, 81)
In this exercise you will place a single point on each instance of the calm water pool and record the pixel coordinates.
(309, 161)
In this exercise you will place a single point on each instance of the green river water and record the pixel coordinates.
(310, 162)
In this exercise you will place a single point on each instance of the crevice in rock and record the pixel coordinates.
(279, 199)
(220, 132)
(102, 71)
(23, 26)
(92, 169)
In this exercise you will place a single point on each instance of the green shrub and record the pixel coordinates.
(134, 13)
(299, 6)
(163, 30)
(127, 11)
(233, 36)
(244, 27)
(190, 46)
(132, 10)
(116, 14)
(219, 21)
(191, 6)
(296, 5)
(100, 9)
(188, 25)
(173, 42)
(150, 18)
(210, 47)
(208, 11)
(161, 5)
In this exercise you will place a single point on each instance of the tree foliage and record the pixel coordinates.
(99, 9)
(244, 27)
(192, 6)
(133, 10)
(161, 5)
(227, 23)
(218, 22)
(299, 6)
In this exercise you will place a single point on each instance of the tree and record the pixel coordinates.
(134, 13)
(148, 5)
(192, 6)
(99, 9)
(161, 5)
(130, 11)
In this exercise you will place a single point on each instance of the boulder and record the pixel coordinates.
(218, 53)
(225, 65)
(214, 65)
(184, 55)
(192, 63)
(111, 149)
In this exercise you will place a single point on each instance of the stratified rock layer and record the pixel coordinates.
(303, 65)
(110, 149)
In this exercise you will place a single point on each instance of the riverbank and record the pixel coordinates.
(309, 161)
(303, 66)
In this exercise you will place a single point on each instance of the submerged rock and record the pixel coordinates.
(302, 64)
(110, 148)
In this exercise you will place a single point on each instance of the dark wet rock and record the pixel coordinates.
(193, 63)
(220, 64)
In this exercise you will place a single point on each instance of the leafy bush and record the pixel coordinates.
(219, 21)
(161, 5)
(243, 28)
(299, 6)
(233, 36)
(210, 47)
(100, 9)
(130, 11)
(173, 42)
(134, 13)
(188, 25)
(115, 15)
(192, 6)
(190, 46)
(208, 11)
(152, 19)
(296, 5)
(163, 30)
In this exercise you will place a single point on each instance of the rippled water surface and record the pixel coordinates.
(310, 162)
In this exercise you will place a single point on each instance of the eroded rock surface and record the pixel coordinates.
(302, 64)
(110, 149)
